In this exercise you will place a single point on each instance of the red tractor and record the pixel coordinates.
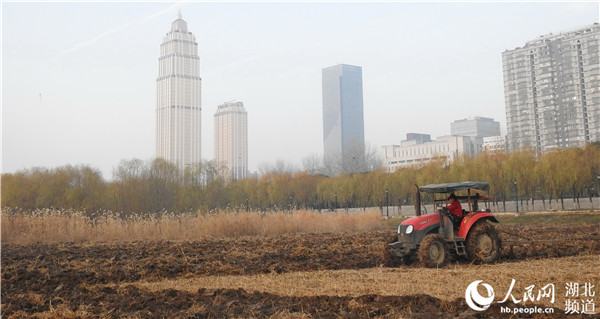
(435, 236)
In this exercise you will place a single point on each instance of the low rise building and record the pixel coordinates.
(494, 143)
(420, 152)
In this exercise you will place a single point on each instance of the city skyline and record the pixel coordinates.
(80, 95)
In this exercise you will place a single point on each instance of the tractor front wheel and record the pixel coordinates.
(483, 243)
(433, 251)
(399, 261)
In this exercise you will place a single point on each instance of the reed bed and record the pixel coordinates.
(52, 225)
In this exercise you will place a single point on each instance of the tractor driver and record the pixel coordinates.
(455, 208)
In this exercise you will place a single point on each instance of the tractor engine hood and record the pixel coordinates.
(423, 221)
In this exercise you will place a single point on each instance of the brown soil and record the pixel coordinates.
(77, 280)
(130, 301)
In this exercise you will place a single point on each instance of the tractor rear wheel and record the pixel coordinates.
(483, 243)
(433, 251)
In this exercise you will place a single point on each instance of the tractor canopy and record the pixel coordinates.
(452, 187)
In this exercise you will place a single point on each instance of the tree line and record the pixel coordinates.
(157, 186)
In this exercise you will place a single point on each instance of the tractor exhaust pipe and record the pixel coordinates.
(417, 201)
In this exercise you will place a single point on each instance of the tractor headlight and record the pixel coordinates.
(409, 229)
(399, 226)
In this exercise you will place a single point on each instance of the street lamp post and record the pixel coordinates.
(517, 195)
(591, 193)
(336, 202)
(387, 203)
(597, 190)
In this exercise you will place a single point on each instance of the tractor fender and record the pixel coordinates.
(470, 219)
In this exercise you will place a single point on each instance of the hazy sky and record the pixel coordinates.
(79, 79)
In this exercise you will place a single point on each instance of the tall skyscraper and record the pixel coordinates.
(343, 122)
(552, 90)
(231, 138)
(178, 106)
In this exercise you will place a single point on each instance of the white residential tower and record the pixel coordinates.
(178, 106)
(231, 139)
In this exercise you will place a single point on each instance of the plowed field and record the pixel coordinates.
(103, 280)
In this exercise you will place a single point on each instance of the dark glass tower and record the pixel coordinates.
(343, 121)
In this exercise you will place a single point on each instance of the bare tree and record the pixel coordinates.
(313, 164)
(279, 167)
(129, 169)
(355, 159)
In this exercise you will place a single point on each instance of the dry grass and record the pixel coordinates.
(52, 226)
(447, 283)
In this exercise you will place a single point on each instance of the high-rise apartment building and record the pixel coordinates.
(343, 122)
(231, 139)
(552, 90)
(178, 106)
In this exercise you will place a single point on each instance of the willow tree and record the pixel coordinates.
(585, 163)
(462, 169)
(326, 193)
(18, 190)
(492, 170)
(305, 189)
(521, 171)
(557, 174)
(591, 159)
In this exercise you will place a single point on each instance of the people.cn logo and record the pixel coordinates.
(475, 300)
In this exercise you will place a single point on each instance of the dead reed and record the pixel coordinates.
(51, 226)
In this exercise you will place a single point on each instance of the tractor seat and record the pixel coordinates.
(457, 220)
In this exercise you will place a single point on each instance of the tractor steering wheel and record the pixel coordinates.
(446, 211)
